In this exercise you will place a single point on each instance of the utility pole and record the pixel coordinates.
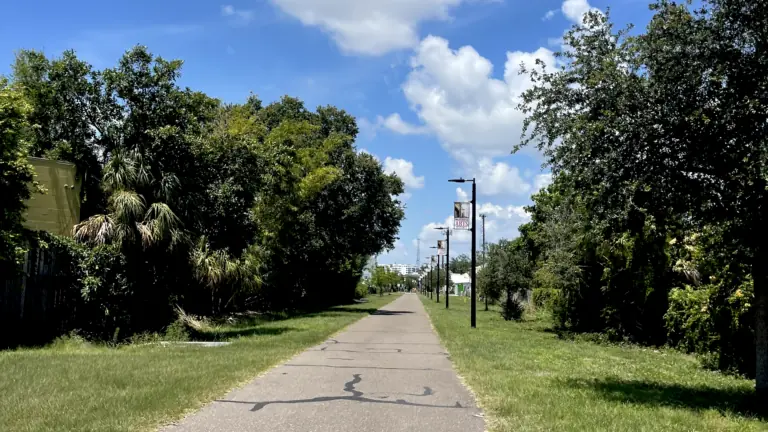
(484, 258)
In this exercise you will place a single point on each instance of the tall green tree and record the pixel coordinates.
(670, 124)
(70, 115)
(16, 175)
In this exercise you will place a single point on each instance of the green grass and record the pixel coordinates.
(526, 379)
(72, 386)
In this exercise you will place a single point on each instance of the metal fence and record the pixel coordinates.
(36, 304)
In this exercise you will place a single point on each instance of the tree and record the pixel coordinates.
(191, 203)
(70, 113)
(507, 273)
(666, 126)
(16, 175)
(461, 264)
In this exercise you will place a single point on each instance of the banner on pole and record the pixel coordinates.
(441, 247)
(461, 215)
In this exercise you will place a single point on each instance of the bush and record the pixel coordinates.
(512, 310)
(361, 291)
(92, 287)
(715, 323)
(177, 331)
(544, 297)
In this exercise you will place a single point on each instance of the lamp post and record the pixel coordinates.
(437, 287)
(485, 258)
(447, 264)
(474, 247)
(431, 258)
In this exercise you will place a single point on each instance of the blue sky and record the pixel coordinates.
(433, 83)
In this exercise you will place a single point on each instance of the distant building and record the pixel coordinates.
(402, 269)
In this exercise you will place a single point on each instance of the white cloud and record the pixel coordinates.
(242, 16)
(541, 181)
(474, 115)
(399, 254)
(371, 27)
(461, 195)
(396, 123)
(501, 222)
(404, 170)
(549, 15)
(575, 10)
(455, 95)
(430, 234)
(499, 179)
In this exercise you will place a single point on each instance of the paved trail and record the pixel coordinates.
(387, 372)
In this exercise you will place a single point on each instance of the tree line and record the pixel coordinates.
(654, 229)
(188, 201)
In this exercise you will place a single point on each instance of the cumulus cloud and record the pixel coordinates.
(541, 181)
(474, 115)
(396, 123)
(575, 10)
(372, 27)
(242, 16)
(461, 195)
(456, 97)
(549, 15)
(499, 178)
(501, 222)
(404, 170)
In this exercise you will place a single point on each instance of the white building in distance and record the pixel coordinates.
(402, 269)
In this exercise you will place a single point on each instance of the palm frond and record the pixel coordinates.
(179, 237)
(127, 206)
(98, 229)
(143, 174)
(119, 172)
(165, 217)
(124, 233)
(207, 264)
(147, 234)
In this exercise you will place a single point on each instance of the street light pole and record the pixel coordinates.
(473, 273)
(447, 264)
(430, 275)
(437, 286)
(485, 258)
(474, 253)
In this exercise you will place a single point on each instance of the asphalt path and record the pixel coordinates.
(387, 372)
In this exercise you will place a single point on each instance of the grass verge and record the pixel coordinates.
(526, 379)
(81, 387)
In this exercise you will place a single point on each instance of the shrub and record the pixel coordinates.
(361, 291)
(714, 322)
(544, 297)
(513, 309)
(177, 331)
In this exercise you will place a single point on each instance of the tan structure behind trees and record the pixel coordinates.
(58, 210)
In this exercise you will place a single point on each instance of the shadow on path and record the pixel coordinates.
(368, 367)
(357, 396)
